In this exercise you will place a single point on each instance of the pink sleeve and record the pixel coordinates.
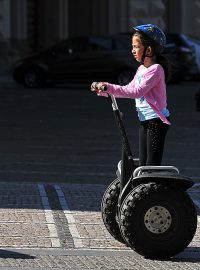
(102, 94)
(134, 90)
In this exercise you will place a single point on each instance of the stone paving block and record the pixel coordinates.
(92, 231)
(24, 222)
(25, 242)
(19, 196)
(83, 197)
(24, 229)
(14, 188)
(22, 215)
(103, 244)
(87, 217)
(75, 223)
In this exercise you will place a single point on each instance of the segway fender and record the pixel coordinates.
(169, 179)
(118, 172)
(166, 174)
(119, 166)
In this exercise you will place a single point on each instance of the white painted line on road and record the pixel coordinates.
(70, 218)
(49, 217)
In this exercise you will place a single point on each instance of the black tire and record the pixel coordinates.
(158, 221)
(33, 78)
(109, 210)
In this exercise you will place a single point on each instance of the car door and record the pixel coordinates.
(66, 60)
(84, 59)
(97, 58)
(107, 57)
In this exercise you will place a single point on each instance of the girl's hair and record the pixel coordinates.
(160, 58)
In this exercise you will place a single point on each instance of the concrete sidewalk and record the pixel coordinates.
(59, 226)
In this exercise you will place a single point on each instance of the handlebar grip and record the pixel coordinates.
(103, 88)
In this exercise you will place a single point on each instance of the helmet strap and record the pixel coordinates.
(143, 56)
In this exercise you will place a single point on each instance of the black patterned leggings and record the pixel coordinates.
(151, 141)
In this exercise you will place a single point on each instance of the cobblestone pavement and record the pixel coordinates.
(53, 226)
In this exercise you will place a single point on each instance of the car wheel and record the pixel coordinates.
(33, 77)
(158, 221)
(125, 76)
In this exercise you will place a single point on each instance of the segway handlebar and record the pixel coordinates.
(103, 88)
(128, 164)
(118, 116)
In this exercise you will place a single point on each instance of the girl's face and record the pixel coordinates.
(137, 48)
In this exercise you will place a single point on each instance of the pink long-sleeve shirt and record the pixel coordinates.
(152, 87)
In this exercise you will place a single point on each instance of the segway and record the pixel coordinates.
(147, 207)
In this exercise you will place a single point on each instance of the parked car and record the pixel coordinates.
(98, 58)
(195, 45)
(79, 60)
(182, 57)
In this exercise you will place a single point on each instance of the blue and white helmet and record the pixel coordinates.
(153, 32)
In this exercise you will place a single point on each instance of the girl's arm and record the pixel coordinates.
(134, 90)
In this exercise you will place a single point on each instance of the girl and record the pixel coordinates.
(148, 88)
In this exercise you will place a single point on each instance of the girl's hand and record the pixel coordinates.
(96, 86)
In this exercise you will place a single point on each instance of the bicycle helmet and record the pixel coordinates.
(153, 32)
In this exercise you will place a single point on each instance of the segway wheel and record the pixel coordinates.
(109, 210)
(158, 221)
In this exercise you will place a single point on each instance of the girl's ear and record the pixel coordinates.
(149, 51)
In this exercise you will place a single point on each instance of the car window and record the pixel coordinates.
(176, 38)
(193, 41)
(99, 44)
(71, 46)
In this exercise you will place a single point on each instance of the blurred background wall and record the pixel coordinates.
(26, 26)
